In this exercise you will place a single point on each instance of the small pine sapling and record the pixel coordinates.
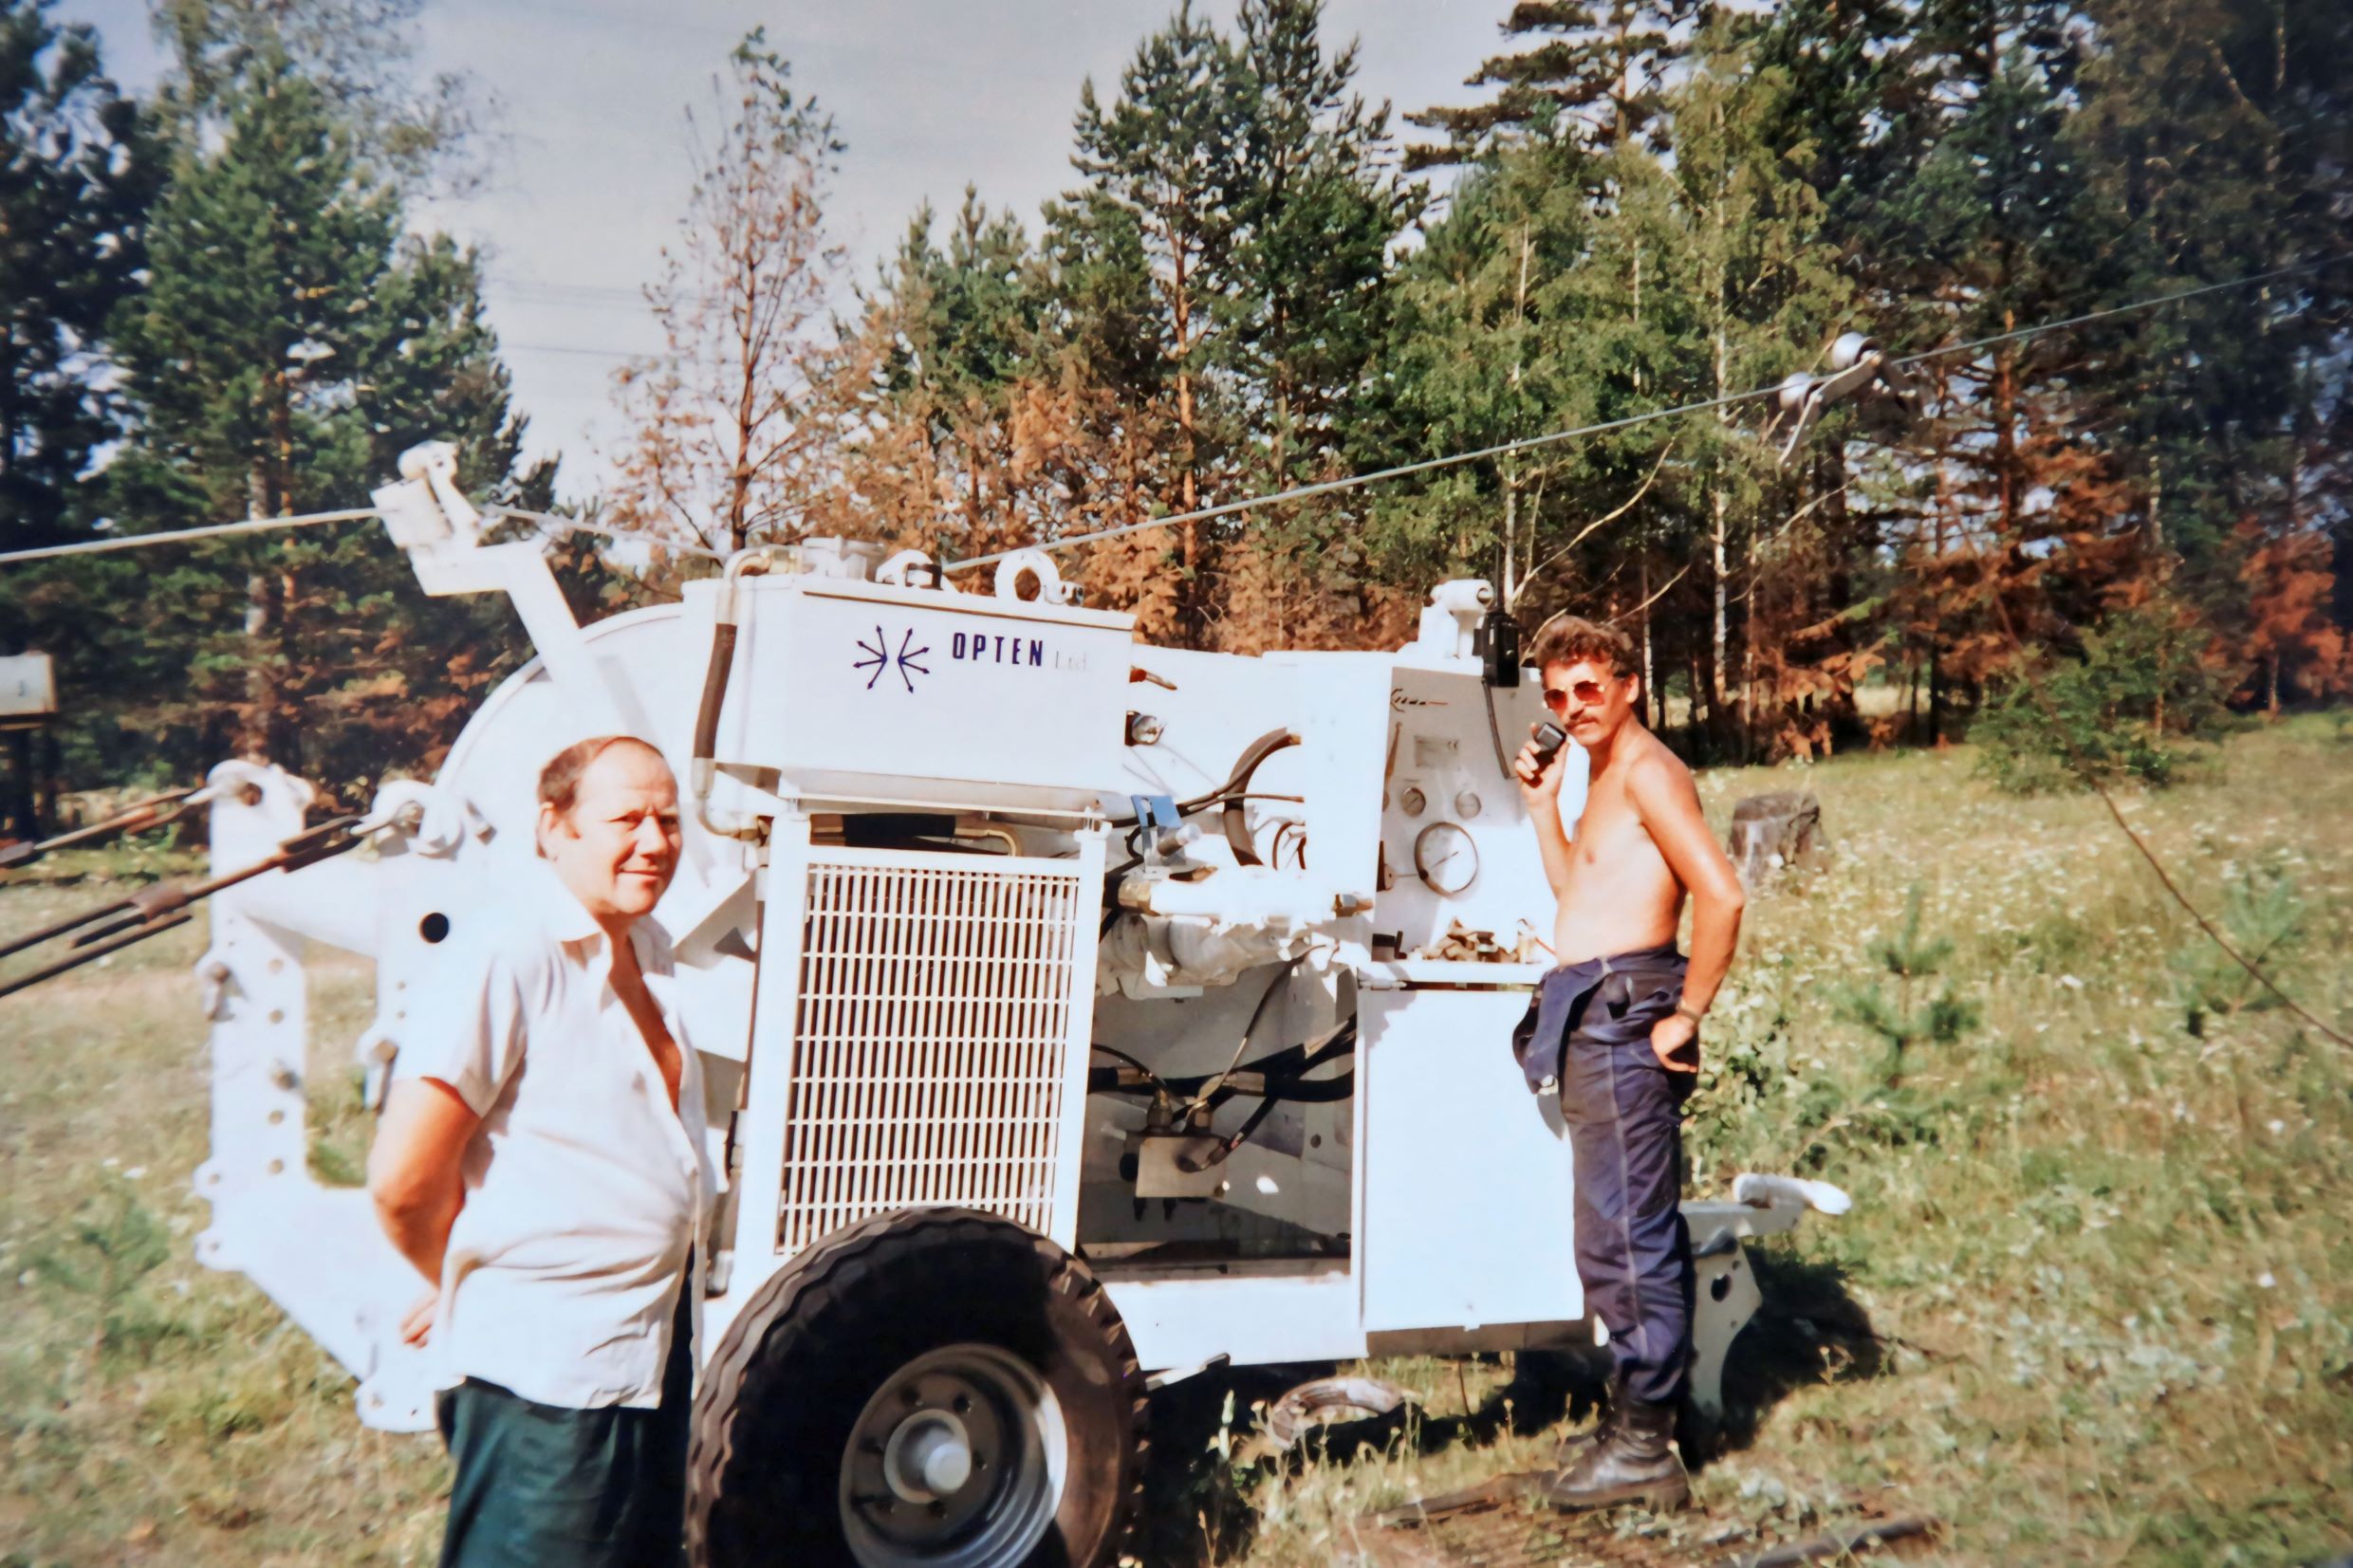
(2263, 915)
(1911, 959)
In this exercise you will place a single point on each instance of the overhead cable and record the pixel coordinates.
(1606, 427)
(556, 522)
(1302, 492)
(175, 536)
(547, 522)
(2247, 282)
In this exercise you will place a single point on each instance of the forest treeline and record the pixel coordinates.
(1254, 279)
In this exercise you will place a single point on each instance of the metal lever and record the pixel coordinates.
(150, 911)
(154, 811)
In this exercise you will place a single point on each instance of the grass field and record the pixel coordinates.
(2094, 1304)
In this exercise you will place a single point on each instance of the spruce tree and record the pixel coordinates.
(77, 168)
(288, 346)
(266, 254)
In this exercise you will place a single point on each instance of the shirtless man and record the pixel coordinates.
(1616, 1027)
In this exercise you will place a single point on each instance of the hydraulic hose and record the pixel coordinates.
(703, 768)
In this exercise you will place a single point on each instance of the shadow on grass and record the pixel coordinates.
(1204, 1466)
(1810, 1331)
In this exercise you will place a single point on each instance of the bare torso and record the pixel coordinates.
(1621, 892)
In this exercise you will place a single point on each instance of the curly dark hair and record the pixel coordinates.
(1568, 639)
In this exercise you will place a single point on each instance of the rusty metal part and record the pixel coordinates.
(83, 955)
(1498, 1524)
(134, 918)
(1329, 1399)
(154, 811)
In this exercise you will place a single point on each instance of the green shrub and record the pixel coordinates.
(2134, 706)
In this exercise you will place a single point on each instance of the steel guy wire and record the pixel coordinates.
(547, 522)
(176, 536)
(1606, 427)
(1202, 514)
(554, 523)
(2247, 282)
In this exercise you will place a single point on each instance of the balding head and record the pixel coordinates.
(609, 822)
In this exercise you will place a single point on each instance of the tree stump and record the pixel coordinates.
(1773, 832)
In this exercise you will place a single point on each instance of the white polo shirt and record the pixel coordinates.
(584, 1191)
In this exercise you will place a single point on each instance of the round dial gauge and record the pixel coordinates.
(1413, 800)
(1445, 858)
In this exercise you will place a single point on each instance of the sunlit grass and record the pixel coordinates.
(2099, 1239)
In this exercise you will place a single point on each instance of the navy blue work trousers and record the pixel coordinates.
(1591, 1027)
(546, 1487)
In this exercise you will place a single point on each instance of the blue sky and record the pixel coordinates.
(929, 94)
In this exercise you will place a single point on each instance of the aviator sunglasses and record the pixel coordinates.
(1587, 693)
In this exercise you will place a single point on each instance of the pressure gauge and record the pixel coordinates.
(1467, 805)
(1445, 858)
(1413, 802)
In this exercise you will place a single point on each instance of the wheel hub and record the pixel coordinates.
(929, 1457)
(955, 1462)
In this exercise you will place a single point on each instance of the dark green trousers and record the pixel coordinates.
(544, 1486)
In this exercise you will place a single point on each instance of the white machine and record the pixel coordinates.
(1075, 1013)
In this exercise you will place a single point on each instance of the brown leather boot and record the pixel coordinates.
(1577, 1444)
(1635, 1461)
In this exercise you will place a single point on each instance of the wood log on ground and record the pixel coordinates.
(1773, 832)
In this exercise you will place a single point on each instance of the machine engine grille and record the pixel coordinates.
(931, 1041)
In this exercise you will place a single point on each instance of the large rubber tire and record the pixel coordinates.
(767, 1474)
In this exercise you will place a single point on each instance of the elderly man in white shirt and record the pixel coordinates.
(541, 1160)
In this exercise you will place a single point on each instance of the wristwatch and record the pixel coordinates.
(1684, 1009)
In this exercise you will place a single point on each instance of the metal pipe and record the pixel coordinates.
(85, 955)
(154, 811)
(702, 770)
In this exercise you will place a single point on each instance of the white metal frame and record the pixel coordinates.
(993, 1071)
(1456, 1183)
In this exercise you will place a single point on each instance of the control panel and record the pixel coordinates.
(1459, 867)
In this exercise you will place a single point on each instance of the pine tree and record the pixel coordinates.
(960, 328)
(2217, 131)
(1303, 314)
(78, 170)
(1314, 212)
(1598, 77)
(1160, 161)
